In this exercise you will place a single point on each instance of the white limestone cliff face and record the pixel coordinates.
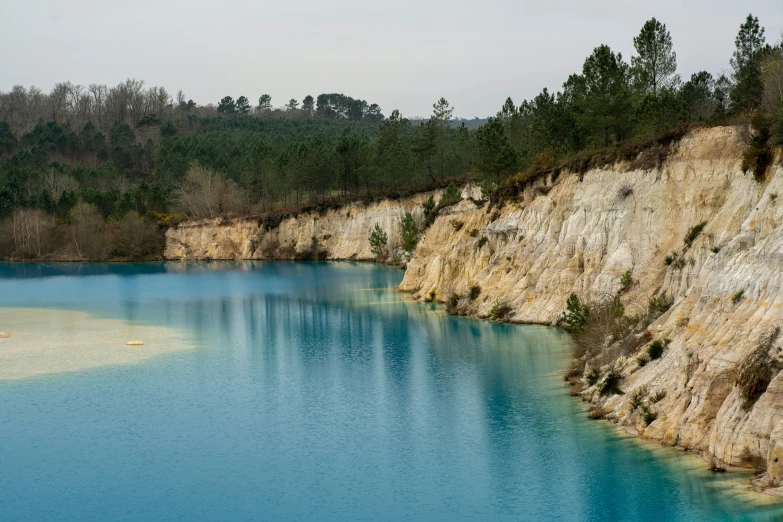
(572, 235)
(334, 234)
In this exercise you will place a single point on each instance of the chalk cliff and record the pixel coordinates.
(579, 234)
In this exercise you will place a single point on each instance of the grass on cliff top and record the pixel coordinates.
(636, 154)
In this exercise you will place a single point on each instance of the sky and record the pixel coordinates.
(401, 54)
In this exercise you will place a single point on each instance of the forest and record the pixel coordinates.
(98, 172)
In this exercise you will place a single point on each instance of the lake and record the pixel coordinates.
(305, 391)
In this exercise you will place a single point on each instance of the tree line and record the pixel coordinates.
(133, 149)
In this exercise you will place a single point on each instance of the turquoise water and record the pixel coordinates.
(319, 393)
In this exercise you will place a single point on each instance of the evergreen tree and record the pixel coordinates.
(697, 96)
(292, 105)
(265, 103)
(746, 64)
(497, 158)
(227, 106)
(656, 64)
(606, 102)
(242, 105)
(308, 105)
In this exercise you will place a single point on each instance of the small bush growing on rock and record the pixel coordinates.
(595, 413)
(481, 242)
(611, 383)
(659, 304)
(625, 280)
(675, 260)
(451, 304)
(473, 232)
(499, 311)
(378, 241)
(450, 195)
(593, 376)
(694, 232)
(649, 415)
(457, 225)
(475, 291)
(642, 360)
(428, 206)
(737, 297)
(655, 350)
(638, 396)
(575, 315)
(773, 196)
(657, 396)
(624, 191)
(715, 249)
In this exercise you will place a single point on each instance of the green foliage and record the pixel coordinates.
(655, 350)
(499, 311)
(737, 297)
(642, 360)
(450, 196)
(626, 280)
(659, 304)
(451, 304)
(475, 291)
(593, 376)
(611, 383)
(378, 241)
(457, 225)
(649, 415)
(606, 101)
(746, 64)
(637, 397)
(481, 242)
(656, 64)
(694, 232)
(473, 232)
(657, 396)
(410, 233)
(575, 315)
(428, 206)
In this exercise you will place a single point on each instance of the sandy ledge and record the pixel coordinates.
(47, 341)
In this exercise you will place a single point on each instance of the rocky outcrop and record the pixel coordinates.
(332, 234)
(579, 234)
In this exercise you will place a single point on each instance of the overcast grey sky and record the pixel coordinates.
(401, 54)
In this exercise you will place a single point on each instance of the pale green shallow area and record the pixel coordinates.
(306, 391)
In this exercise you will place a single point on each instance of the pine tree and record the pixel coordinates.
(746, 64)
(656, 64)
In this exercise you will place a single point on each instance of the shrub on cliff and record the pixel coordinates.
(378, 241)
(575, 315)
(694, 232)
(655, 350)
(499, 311)
(450, 196)
(410, 233)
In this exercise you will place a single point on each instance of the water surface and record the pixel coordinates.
(318, 393)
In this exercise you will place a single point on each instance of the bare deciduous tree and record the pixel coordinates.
(31, 230)
(204, 193)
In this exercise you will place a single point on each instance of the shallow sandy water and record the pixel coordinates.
(47, 341)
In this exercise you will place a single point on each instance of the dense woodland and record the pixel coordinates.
(97, 172)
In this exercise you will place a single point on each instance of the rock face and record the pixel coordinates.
(334, 234)
(580, 234)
